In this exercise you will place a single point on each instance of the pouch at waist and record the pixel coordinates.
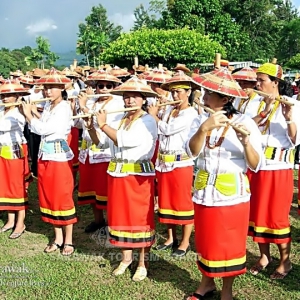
(13, 151)
(123, 166)
(280, 154)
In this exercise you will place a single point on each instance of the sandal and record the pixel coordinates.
(197, 296)
(52, 247)
(4, 229)
(121, 269)
(16, 235)
(256, 269)
(140, 274)
(278, 275)
(68, 253)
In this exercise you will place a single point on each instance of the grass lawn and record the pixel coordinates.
(28, 273)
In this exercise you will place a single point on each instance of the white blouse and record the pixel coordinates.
(100, 155)
(135, 143)
(173, 134)
(229, 158)
(11, 127)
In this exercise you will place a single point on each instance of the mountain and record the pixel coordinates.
(67, 58)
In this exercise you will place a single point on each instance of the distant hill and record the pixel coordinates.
(66, 59)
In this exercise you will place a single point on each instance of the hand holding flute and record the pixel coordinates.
(219, 119)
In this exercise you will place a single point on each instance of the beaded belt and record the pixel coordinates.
(280, 154)
(228, 184)
(51, 147)
(125, 166)
(89, 145)
(172, 157)
(11, 151)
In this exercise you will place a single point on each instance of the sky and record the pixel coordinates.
(21, 21)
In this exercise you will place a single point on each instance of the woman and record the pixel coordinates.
(55, 184)
(270, 202)
(131, 176)
(13, 193)
(221, 188)
(174, 169)
(94, 162)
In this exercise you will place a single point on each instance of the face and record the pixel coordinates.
(132, 99)
(154, 86)
(214, 100)
(180, 94)
(9, 98)
(70, 84)
(245, 84)
(53, 91)
(104, 87)
(265, 84)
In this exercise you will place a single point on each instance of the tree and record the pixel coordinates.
(41, 56)
(207, 17)
(96, 33)
(294, 62)
(154, 46)
(143, 18)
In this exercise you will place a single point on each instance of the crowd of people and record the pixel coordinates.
(208, 151)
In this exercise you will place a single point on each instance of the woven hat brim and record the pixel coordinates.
(192, 83)
(121, 92)
(221, 86)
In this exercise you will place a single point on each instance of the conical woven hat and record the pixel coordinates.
(17, 73)
(181, 78)
(222, 82)
(53, 77)
(118, 72)
(101, 75)
(246, 74)
(182, 67)
(27, 79)
(158, 76)
(38, 73)
(13, 87)
(134, 84)
(68, 73)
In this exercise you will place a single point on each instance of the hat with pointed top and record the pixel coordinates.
(118, 72)
(180, 79)
(158, 76)
(69, 73)
(101, 75)
(13, 87)
(134, 84)
(27, 79)
(17, 73)
(53, 77)
(246, 74)
(222, 82)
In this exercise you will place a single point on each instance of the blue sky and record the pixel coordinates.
(57, 20)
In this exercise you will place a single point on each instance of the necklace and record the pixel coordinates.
(251, 98)
(216, 143)
(267, 123)
(130, 123)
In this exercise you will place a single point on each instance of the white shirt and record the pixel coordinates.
(228, 158)
(11, 127)
(173, 134)
(103, 155)
(251, 107)
(54, 125)
(277, 136)
(135, 144)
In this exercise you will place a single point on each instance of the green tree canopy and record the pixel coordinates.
(154, 46)
(95, 34)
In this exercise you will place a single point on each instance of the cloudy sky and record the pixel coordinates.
(21, 21)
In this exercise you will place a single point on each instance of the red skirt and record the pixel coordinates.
(92, 187)
(130, 211)
(270, 203)
(174, 196)
(220, 236)
(55, 187)
(73, 140)
(28, 175)
(13, 195)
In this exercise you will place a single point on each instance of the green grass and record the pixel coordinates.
(28, 273)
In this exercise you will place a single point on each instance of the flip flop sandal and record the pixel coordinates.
(54, 247)
(197, 296)
(256, 269)
(279, 276)
(64, 253)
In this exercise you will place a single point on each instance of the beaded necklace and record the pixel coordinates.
(216, 143)
(130, 123)
(267, 123)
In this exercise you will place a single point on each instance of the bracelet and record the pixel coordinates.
(102, 125)
(262, 115)
(289, 122)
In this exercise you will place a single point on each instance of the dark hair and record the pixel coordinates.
(230, 109)
(64, 94)
(284, 87)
